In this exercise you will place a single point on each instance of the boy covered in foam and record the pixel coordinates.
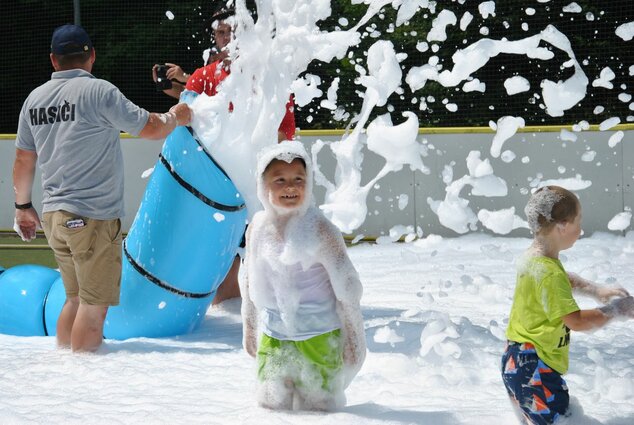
(300, 289)
(544, 310)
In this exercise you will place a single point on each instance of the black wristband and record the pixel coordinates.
(23, 206)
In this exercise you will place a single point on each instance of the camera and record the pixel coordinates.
(162, 82)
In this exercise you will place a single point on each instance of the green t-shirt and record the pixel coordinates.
(543, 295)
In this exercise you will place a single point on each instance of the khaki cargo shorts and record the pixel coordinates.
(88, 253)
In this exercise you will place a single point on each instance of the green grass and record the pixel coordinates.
(13, 251)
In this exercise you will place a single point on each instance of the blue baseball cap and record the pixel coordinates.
(70, 39)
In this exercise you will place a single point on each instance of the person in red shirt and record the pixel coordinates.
(217, 54)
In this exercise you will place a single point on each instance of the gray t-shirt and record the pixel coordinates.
(73, 122)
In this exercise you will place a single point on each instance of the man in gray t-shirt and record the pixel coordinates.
(70, 126)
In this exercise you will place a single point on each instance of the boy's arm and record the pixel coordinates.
(354, 346)
(583, 320)
(599, 293)
(348, 290)
(248, 310)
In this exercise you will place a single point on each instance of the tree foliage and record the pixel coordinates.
(131, 36)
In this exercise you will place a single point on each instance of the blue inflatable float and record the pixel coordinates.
(180, 247)
(23, 292)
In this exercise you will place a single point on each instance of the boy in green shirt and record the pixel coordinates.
(544, 310)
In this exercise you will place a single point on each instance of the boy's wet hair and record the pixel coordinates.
(550, 205)
(281, 160)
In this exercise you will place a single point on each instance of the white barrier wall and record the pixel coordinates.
(540, 156)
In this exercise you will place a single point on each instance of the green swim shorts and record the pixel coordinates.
(316, 360)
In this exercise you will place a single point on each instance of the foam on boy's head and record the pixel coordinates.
(550, 205)
(286, 151)
(286, 160)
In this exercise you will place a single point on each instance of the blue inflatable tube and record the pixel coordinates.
(180, 247)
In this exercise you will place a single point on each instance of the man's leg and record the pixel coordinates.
(87, 333)
(229, 287)
(65, 322)
(97, 255)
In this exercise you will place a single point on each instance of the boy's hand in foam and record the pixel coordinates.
(620, 307)
(605, 294)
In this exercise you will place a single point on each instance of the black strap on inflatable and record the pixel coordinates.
(158, 282)
(44, 313)
(195, 192)
(211, 158)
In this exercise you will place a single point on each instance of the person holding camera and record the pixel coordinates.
(70, 126)
(170, 79)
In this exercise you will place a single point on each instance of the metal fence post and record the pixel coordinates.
(77, 11)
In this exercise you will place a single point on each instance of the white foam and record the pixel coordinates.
(331, 101)
(487, 9)
(621, 221)
(387, 335)
(403, 200)
(465, 20)
(609, 123)
(474, 85)
(345, 199)
(305, 89)
(588, 156)
(515, 85)
(438, 31)
(501, 221)
(147, 173)
(507, 156)
(567, 135)
(558, 97)
(572, 8)
(506, 128)
(540, 204)
(625, 31)
(604, 79)
(570, 183)
(400, 282)
(616, 138)
(454, 212)
(408, 9)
